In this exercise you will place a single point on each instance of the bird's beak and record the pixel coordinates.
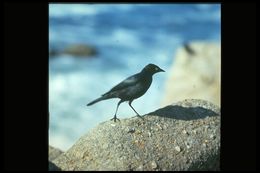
(161, 70)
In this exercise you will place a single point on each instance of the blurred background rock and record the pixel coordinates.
(194, 74)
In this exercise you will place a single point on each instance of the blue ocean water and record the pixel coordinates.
(127, 37)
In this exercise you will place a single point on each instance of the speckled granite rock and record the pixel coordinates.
(53, 167)
(54, 153)
(181, 136)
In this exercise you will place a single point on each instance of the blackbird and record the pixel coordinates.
(131, 88)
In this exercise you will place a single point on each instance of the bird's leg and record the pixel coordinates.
(115, 118)
(130, 102)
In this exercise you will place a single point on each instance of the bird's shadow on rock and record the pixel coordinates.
(183, 113)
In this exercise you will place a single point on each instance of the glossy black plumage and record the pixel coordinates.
(131, 88)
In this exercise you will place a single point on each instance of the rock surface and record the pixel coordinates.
(195, 74)
(54, 153)
(53, 167)
(182, 136)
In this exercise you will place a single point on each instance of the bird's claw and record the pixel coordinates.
(140, 116)
(115, 118)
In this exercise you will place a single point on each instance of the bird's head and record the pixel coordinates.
(152, 69)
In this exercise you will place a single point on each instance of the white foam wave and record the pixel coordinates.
(61, 10)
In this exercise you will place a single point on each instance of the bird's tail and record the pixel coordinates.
(95, 101)
(103, 97)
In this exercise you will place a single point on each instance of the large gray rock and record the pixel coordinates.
(195, 74)
(54, 153)
(181, 136)
(53, 167)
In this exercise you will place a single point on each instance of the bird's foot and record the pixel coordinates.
(140, 116)
(115, 118)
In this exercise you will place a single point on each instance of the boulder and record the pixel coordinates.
(195, 74)
(54, 153)
(53, 167)
(184, 136)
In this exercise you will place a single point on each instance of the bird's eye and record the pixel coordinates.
(156, 69)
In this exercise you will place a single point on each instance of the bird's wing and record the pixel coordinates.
(130, 81)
